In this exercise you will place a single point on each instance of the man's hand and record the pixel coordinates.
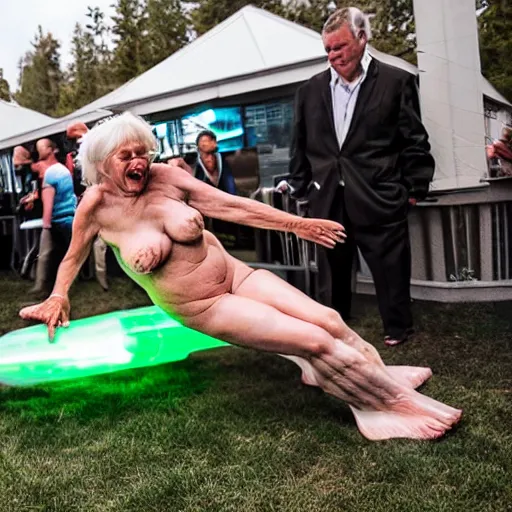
(321, 231)
(54, 312)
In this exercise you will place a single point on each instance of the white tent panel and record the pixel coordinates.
(15, 119)
(250, 83)
(250, 41)
(54, 127)
(250, 51)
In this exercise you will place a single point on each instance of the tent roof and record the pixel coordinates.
(490, 92)
(247, 48)
(250, 41)
(52, 128)
(15, 119)
(251, 50)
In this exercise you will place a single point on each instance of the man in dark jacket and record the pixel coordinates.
(361, 156)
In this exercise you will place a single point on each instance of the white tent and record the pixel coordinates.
(252, 50)
(15, 119)
(54, 127)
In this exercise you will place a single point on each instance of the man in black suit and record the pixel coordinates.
(361, 156)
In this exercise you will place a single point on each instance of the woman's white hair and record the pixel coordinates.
(107, 135)
(353, 17)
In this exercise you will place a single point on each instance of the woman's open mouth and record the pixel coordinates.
(135, 174)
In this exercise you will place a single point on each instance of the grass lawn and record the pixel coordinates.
(235, 430)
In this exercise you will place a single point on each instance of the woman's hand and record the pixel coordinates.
(321, 231)
(54, 312)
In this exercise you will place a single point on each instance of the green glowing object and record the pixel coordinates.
(101, 344)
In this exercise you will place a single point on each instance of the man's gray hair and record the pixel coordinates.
(102, 141)
(351, 16)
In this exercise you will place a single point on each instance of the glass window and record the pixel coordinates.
(5, 173)
(269, 128)
(225, 122)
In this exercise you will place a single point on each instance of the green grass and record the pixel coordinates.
(235, 430)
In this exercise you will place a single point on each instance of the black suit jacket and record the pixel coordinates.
(385, 158)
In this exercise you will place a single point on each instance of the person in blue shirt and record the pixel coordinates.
(59, 205)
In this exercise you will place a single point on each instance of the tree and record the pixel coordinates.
(165, 31)
(128, 32)
(393, 29)
(103, 56)
(5, 91)
(495, 25)
(89, 75)
(209, 13)
(40, 75)
(79, 86)
(311, 14)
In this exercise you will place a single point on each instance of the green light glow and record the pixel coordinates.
(100, 344)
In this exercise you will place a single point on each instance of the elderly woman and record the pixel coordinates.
(152, 217)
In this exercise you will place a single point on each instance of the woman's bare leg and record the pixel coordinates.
(263, 286)
(339, 369)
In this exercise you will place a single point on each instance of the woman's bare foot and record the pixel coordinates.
(413, 417)
(411, 376)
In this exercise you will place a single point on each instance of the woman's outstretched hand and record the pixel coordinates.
(54, 312)
(321, 231)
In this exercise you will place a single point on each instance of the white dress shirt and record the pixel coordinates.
(344, 98)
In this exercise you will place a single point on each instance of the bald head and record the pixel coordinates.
(46, 149)
(76, 130)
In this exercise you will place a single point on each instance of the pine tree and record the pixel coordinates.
(165, 31)
(103, 56)
(209, 13)
(495, 25)
(311, 14)
(5, 91)
(40, 75)
(128, 34)
(90, 74)
(393, 28)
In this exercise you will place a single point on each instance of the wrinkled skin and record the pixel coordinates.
(152, 216)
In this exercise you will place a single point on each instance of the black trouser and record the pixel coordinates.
(61, 238)
(386, 250)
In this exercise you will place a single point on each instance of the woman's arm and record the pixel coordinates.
(54, 311)
(214, 203)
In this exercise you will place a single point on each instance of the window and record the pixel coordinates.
(269, 128)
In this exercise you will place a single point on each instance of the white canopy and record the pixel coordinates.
(251, 50)
(250, 42)
(54, 127)
(15, 119)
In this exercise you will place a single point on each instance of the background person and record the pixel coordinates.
(359, 138)
(75, 133)
(59, 204)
